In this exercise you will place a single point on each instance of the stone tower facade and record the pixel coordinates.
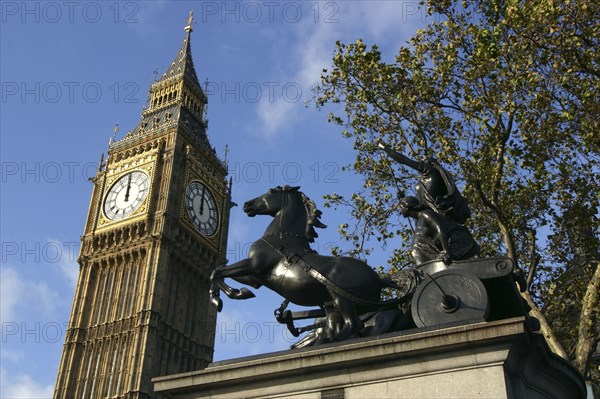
(156, 228)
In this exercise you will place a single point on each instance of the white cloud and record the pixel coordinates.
(275, 115)
(71, 272)
(18, 294)
(309, 53)
(383, 20)
(23, 386)
(12, 355)
(66, 259)
(312, 45)
(11, 288)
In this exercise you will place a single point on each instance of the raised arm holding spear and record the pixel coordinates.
(436, 187)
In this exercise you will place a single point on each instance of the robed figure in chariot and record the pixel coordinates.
(440, 211)
(448, 283)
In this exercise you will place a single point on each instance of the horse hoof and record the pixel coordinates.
(244, 293)
(218, 302)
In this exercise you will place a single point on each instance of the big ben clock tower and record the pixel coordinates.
(156, 228)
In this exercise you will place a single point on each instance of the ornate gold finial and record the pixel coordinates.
(226, 153)
(114, 136)
(101, 164)
(190, 22)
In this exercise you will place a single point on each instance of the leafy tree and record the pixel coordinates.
(505, 95)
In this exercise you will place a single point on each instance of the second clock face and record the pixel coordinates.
(201, 208)
(126, 195)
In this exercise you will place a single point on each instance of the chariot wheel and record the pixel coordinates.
(449, 296)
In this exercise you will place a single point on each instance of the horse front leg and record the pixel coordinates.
(238, 271)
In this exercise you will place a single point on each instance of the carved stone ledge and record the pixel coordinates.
(127, 235)
(143, 141)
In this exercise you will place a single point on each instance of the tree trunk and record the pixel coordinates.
(587, 337)
(545, 328)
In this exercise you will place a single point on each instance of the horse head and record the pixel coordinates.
(292, 209)
(270, 202)
(274, 261)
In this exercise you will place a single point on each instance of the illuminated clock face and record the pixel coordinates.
(201, 208)
(126, 195)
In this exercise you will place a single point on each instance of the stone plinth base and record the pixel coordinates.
(498, 359)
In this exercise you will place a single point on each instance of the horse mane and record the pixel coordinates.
(312, 213)
(312, 220)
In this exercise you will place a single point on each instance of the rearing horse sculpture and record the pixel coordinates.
(282, 258)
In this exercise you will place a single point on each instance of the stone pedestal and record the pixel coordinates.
(498, 359)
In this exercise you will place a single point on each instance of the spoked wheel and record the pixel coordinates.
(447, 297)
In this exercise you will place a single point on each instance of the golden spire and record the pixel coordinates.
(114, 136)
(190, 22)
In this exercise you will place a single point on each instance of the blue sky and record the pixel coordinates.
(71, 70)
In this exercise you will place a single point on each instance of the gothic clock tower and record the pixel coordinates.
(156, 228)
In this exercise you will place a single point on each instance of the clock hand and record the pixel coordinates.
(202, 201)
(128, 188)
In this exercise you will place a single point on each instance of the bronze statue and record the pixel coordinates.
(436, 188)
(440, 211)
(446, 286)
(437, 237)
(283, 261)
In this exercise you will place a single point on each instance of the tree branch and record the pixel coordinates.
(546, 330)
(509, 241)
(500, 157)
(587, 338)
(534, 259)
(377, 104)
